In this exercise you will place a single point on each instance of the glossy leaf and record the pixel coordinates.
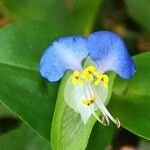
(74, 16)
(22, 138)
(131, 99)
(68, 131)
(139, 11)
(16, 135)
(4, 112)
(22, 88)
(21, 46)
(8, 121)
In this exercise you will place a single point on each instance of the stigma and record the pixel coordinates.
(95, 90)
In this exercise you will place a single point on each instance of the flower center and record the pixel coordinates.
(95, 91)
(90, 73)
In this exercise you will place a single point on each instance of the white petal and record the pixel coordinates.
(101, 92)
(85, 113)
(73, 95)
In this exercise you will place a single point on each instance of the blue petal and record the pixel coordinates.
(108, 50)
(64, 53)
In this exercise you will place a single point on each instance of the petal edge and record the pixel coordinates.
(63, 54)
(109, 51)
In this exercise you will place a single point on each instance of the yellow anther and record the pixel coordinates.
(105, 80)
(76, 78)
(86, 102)
(101, 77)
(98, 78)
(90, 69)
(98, 75)
(91, 74)
(93, 99)
(88, 72)
(89, 102)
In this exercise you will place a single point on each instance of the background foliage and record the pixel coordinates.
(28, 101)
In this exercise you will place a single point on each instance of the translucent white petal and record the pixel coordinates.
(101, 92)
(85, 113)
(73, 95)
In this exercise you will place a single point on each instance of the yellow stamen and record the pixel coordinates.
(91, 74)
(98, 77)
(76, 78)
(105, 80)
(89, 102)
(93, 99)
(88, 73)
(86, 102)
(101, 77)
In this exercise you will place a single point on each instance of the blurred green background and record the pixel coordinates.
(128, 18)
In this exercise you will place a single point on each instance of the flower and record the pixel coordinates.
(90, 58)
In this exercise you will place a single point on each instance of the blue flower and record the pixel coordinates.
(87, 88)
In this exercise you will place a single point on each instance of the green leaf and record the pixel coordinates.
(74, 16)
(8, 120)
(22, 138)
(100, 137)
(131, 99)
(139, 11)
(21, 46)
(68, 131)
(13, 130)
(30, 9)
(4, 112)
(22, 88)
